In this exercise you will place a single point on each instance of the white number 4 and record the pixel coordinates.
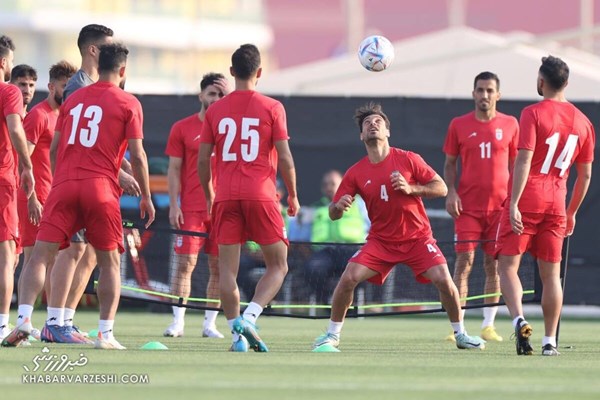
(384, 195)
(431, 248)
(563, 162)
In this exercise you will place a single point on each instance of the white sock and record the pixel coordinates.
(549, 339)
(106, 327)
(179, 315)
(489, 316)
(462, 314)
(210, 318)
(235, 335)
(516, 320)
(252, 312)
(335, 328)
(25, 311)
(69, 315)
(458, 327)
(4, 319)
(56, 316)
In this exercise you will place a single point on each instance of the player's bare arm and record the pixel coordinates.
(174, 186)
(17, 137)
(453, 202)
(582, 183)
(432, 189)
(288, 173)
(337, 209)
(54, 150)
(520, 175)
(205, 173)
(139, 164)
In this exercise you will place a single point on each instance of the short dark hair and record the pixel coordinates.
(210, 79)
(6, 45)
(245, 61)
(112, 57)
(92, 34)
(369, 109)
(555, 71)
(62, 69)
(486, 76)
(23, 71)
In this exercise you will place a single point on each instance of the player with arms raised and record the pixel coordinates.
(554, 134)
(248, 132)
(95, 127)
(392, 182)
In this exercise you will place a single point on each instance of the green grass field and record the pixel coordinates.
(381, 358)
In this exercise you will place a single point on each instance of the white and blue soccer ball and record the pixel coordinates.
(376, 53)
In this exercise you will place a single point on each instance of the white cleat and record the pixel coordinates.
(212, 332)
(107, 344)
(173, 330)
(4, 332)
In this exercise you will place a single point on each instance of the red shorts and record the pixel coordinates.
(543, 236)
(472, 226)
(237, 221)
(27, 231)
(210, 244)
(419, 255)
(194, 222)
(92, 204)
(9, 220)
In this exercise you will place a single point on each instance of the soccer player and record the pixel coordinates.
(80, 256)
(248, 132)
(392, 182)
(485, 140)
(182, 175)
(95, 127)
(24, 77)
(554, 135)
(12, 145)
(39, 125)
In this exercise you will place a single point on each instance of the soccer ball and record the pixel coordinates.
(376, 53)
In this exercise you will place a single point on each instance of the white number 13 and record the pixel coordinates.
(249, 146)
(89, 135)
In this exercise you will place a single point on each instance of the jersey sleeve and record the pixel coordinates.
(451, 145)
(134, 121)
(279, 130)
(586, 154)
(514, 142)
(34, 124)
(527, 130)
(347, 186)
(12, 101)
(207, 136)
(175, 145)
(422, 172)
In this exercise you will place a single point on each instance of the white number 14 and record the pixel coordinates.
(563, 162)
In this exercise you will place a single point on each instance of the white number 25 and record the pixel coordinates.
(248, 135)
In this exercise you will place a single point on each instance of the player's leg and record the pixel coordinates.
(109, 293)
(492, 285)
(462, 269)
(552, 297)
(83, 271)
(181, 286)
(7, 261)
(209, 327)
(343, 296)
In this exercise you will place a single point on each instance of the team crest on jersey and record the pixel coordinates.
(499, 134)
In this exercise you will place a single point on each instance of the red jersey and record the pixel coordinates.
(183, 143)
(244, 126)
(395, 217)
(484, 148)
(11, 102)
(559, 135)
(94, 124)
(39, 125)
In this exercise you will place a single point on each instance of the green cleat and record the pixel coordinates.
(248, 330)
(464, 341)
(328, 339)
(240, 345)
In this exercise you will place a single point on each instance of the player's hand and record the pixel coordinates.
(128, 184)
(175, 217)
(34, 210)
(27, 181)
(147, 208)
(570, 224)
(293, 206)
(453, 204)
(400, 183)
(223, 85)
(515, 220)
(344, 203)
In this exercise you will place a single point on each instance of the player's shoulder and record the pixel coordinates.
(505, 118)
(463, 119)
(186, 120)
(41, 109)
(266, 100)
(9, 89)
